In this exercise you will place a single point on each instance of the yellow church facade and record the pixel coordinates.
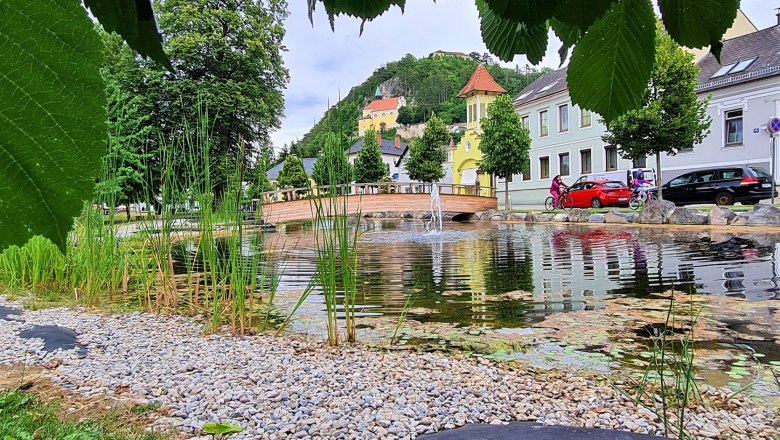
(479, 91)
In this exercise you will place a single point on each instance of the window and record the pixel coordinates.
(526, 170)
(482, 111)
(468, 146)
(705, 177)
(682, 180)
(585, 118)
(722, 71)
(563, 164)
(742, 65)
(391, 113)
(576, 187)
(735, 173)
(734, 127)
(563, 118)
(547, 87)
(639, 163)
(543, 127)
(525, 121)
(585, 161)
(610, 154)
(544, 167)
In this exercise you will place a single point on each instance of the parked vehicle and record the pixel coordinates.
(599, 193)
(722, 186)
(625, 176)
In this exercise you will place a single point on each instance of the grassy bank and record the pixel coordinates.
(24, 416)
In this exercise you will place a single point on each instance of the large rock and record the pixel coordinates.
(615, 217)
(721, 216)
(656, 212)
(687, 216)
(516, 217)
(764, 215)
(530, 217)
(544, 217)
(740, 220)
(561, 217)
(487, 215)
(597, 218)
(578, 215)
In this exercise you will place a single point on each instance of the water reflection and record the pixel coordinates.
(462, 275)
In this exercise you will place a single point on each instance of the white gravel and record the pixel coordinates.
(290, 387)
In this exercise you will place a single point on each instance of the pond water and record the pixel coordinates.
(584, 286)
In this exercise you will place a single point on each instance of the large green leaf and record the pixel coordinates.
(506, 38)
(365, 9)
(581, 13)
(134, 21)
(698, 23)
(611, 64)
(569, 34)
(52, 110)
(529, 12)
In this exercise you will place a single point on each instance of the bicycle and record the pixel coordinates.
(639, 198)
(565, 202)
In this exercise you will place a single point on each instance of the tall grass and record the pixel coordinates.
(223, 277)
(668, 384)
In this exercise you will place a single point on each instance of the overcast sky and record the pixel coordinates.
(324, 64)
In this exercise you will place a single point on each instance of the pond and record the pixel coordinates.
(558, 287)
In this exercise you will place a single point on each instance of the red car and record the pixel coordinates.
(599, 193)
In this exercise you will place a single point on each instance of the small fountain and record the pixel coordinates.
(434, 225)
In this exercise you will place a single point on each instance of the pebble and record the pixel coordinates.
(292, 387)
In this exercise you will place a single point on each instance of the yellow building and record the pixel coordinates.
(480, 91)
(380, 114)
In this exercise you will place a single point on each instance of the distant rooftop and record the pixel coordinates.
(387, 147)
(308, 165)
(542, 87)
(378, 105)
(481, 81)
(746, 58)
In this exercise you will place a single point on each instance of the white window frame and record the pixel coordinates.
(560, 155)
(585, 127)
(547, 113)
(560, 120)
(726, 120)
(606, 158)
(527, 118)
(549, 174)
(591, 160)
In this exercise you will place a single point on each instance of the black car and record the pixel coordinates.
(722, 186)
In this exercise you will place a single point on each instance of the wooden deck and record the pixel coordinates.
(373, 198)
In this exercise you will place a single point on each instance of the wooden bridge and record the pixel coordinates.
(295, 203)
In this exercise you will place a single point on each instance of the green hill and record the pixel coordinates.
(429, 84)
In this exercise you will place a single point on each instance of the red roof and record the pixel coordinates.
(481, 81)
(383, 104)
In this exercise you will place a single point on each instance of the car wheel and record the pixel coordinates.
(724, 198)
(596, 203)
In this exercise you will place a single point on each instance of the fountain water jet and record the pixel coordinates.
(434, 225)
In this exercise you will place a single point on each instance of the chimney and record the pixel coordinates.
(379, 138)
(397, 142)
(777, 14)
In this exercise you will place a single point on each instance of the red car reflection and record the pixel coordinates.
(599, 193)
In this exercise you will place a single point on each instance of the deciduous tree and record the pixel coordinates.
(505, 142)
(426, 154)
(671, 118)
(293, 174)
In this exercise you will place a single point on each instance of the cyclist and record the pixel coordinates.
(640, 186)
(557, 188)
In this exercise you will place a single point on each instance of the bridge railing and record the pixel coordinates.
(290, 194)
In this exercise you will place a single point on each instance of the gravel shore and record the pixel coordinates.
(291, 387)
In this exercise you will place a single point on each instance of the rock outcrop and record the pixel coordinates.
(721, 216)
(656, 212)
(687, 216)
